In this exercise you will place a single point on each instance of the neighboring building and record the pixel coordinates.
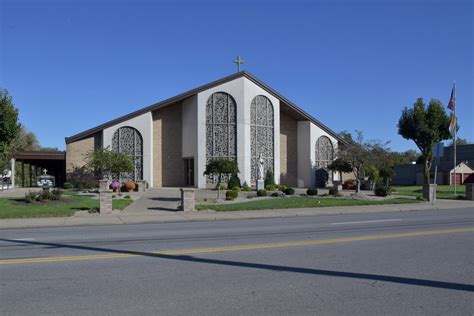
(237, 117)
(413, 174)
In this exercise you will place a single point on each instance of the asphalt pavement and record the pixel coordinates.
(392, 263)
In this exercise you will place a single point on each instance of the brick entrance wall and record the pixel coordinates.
(288, 150)
(168, 163)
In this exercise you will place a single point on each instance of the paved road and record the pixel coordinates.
(387, 263)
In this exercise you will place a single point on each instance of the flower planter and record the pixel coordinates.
(129, 186)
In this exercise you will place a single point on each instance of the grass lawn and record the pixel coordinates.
(297, 202)
(15, 208)
(443, 191)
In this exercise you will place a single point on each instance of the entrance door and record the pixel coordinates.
(189, 172)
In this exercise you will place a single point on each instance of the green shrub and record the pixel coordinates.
(127, 197)
(220, 187)
(234, 181)
(262, 192)
(333, 191)
(56, 194)
(67, 185)
(460, 197)
(275, 194)
(44, 196)
(231, 195)
(289, 191)
(282, 187)
(30, 197)
(237, 189)
(381, 190)
(270, 187)
(420, 198)
(312, 191)
(246, 187)
(269, 178)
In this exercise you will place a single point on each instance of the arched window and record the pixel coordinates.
(129, 141)
(221, 129)
(324, 156)
(261, 135)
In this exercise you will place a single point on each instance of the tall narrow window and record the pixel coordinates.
(128, 140)
(324, 156)
(221, 129)
(261, 135)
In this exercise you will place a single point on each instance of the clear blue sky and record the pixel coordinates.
(71, 65)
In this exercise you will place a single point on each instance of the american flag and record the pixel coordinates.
(452, 100)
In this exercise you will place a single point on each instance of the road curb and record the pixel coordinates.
(201, 216)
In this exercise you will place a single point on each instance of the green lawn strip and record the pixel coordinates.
(442, 192)
(13, 208)
(297, 202)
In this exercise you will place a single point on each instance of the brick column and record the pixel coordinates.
(188, 200)
(470, 191)
(105, 201)
(103, 184)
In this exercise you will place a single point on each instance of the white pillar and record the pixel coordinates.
(13, 172)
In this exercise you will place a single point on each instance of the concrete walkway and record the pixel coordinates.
(160, 209)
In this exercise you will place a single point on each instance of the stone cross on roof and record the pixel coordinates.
(238, 61)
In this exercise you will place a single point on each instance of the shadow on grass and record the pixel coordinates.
(270, 267)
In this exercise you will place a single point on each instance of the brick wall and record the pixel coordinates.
(76, 151)
(288, 150)
(168, 163)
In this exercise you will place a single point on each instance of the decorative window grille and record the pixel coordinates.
(129, 141)
(261, 135)
(324, 156)
(221, 129)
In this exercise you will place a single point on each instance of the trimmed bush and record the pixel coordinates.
(67, 185)
(289, 191)
(236, 189)
(234, 181)
(220, 187)
(56, 194)
(333, 191)
(231, 195)
(282, 187)
(127, 197)
(312, 191)
(275, 194)
(30, 197)
(246, 187)
(381, 190)
(270, 187)
(262, 192)
(269, 178)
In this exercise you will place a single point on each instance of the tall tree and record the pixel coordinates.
(26, 141)
(460, 141)
(425, 125)
(9, 126)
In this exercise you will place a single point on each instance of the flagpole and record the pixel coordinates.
(455, 132)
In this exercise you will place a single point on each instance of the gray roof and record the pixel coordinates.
(192, 92)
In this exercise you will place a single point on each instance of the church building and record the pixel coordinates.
(237, 117)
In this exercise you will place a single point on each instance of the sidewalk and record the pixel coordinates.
(138, 218)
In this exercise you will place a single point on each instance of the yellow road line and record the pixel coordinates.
(236, 248)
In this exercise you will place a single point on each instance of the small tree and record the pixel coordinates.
(269, 178)
(359, 154)
(425, 125)
(220, 167)
(340, 166)
(105, 162)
